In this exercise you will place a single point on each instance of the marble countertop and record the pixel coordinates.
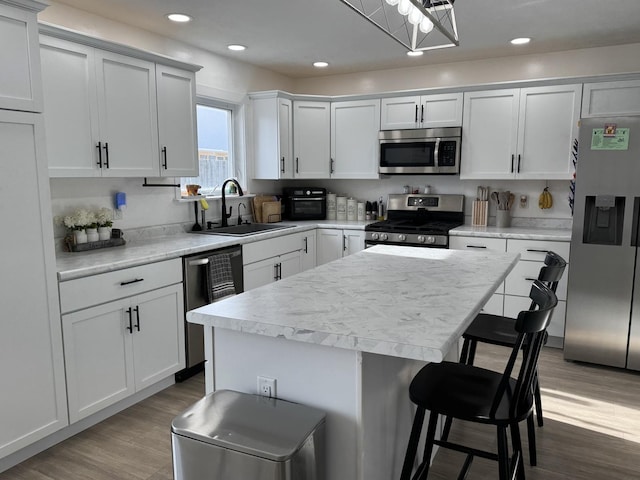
(399, 301)
(155, 249)
(523, 233)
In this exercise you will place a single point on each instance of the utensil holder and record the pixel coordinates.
(479, 213)
(503, 218)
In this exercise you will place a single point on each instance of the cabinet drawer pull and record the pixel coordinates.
(476, 246)
(131, 281)
(130, 327)
(106, 158)
(137, 325)
(529, 279)
(99, 147)
(536, 250)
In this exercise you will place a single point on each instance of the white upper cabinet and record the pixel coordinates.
(611, 98)
(426, 111)
(354, 139)
(128, 116)
(177, 121)
(113, 115)
(520, 133)
(20, 85)
(311, 139)
(272, 137)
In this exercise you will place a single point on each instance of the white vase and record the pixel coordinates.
(104, 233)
(92, 235)
(79, 236)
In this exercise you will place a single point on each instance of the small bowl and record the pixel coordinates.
(193, 189)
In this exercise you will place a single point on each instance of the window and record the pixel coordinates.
(215, 147)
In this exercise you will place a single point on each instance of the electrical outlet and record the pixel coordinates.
(267, 387)
(117, 214)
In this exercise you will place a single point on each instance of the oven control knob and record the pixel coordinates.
(374, 236)
(384, 236)
(308, 192)
(421, 238)
(430, 239)
(402, 238)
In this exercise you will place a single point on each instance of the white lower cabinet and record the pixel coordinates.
(115, 349)
(333, 244)
(513, 295)
(271, 260)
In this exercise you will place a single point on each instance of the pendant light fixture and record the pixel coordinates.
(418, 25)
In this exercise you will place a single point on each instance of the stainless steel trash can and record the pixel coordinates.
(229, 435)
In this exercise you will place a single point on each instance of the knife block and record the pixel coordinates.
(479, 214)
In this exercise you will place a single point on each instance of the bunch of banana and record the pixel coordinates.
(545, 200)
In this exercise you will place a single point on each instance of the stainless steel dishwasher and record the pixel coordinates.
(194, 270)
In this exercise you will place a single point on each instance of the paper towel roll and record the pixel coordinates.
(331, 206)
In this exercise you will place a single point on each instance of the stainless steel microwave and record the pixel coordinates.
(424, 151)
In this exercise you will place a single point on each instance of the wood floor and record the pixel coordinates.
(591, 431)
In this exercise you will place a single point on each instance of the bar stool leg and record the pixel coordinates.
(412, 447)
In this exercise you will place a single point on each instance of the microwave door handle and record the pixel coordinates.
(436, 163)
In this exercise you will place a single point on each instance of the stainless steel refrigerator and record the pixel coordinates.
(603, 299)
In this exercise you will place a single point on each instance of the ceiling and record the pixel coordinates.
(286, 36)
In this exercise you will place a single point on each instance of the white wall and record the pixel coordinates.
(620, 59)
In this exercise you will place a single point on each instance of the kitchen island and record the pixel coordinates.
(347, 337)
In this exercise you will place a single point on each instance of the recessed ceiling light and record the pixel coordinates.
(236, 48)
(415, 53)
(520, 41)
(320, 64)
(179, 17)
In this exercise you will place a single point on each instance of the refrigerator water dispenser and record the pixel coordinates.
(603, 220)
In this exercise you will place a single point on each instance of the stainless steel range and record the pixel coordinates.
(417, 220)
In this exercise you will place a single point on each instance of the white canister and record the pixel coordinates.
(341, 208)
(360, 210)
(331, 206)
(352, 209)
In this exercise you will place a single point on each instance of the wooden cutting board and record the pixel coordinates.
(271, 212)
(258, 200)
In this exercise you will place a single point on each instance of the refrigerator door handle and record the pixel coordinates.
(634, 227)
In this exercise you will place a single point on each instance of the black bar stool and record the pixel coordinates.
(477, 395)
(499, 330)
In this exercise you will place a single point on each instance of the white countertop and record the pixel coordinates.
(524, 233)
(398, 301)
(154, 249)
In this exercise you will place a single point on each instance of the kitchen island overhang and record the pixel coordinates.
(347, 337)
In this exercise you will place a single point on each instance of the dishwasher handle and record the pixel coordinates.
(195, 263)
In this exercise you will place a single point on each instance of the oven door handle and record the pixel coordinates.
(315, 199)
(195, 263)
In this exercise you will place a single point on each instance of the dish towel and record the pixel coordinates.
(220, 277)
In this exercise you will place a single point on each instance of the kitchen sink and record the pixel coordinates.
(244, 229)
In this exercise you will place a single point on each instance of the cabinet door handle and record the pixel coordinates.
(130, 327)
(421, 113)
(331, 170)
(306, 244)
(275, 271)
(282, 164)
(164, 157)
(416, 120)
(106, 151)
(512, 158)
(129, 282)
(518, 163)
(344, 243)
(137, 310)
(476, 246)
(99, 147)
(297, 171)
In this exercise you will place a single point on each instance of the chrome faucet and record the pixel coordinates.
(225, 216)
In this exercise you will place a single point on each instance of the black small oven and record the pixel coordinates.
(304, 203)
